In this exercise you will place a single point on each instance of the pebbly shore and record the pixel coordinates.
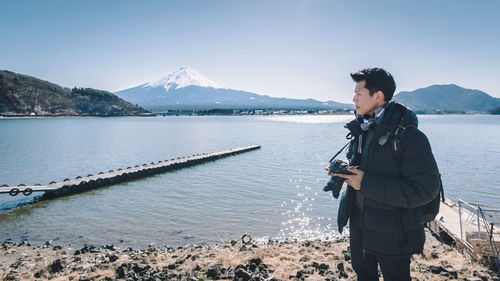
(234, 260)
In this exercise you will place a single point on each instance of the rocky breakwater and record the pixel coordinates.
(286, 260)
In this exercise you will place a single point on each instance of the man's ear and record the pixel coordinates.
(380, 96)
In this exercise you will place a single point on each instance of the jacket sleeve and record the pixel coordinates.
(419, 182)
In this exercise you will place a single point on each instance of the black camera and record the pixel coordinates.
(335, 183)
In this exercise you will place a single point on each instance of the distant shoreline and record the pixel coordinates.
(68, 116)
(9, 117)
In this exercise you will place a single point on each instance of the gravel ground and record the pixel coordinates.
(304, 260)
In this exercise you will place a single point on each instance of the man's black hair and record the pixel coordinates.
(377, 79)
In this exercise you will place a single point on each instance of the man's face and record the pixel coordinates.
(364, 103)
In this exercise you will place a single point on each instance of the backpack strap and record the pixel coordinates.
(396, 148)
(398, 134)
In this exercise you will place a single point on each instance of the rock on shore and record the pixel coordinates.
(305, 260)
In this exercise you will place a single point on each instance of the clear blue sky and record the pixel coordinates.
(301, 49)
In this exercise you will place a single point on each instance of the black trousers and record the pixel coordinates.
(365, 264)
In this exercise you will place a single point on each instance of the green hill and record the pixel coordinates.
(448, 99)
(25, 95)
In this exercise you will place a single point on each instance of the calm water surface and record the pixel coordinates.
(274, 192)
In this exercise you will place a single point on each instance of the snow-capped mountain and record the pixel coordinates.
(187, 89)
(181, 78)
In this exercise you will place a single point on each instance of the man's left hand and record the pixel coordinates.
(353, 180)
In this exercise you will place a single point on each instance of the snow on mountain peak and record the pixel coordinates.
(180, 78)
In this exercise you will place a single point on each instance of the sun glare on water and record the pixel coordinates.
(308, 119)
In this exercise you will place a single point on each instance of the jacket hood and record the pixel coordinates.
(396, 114)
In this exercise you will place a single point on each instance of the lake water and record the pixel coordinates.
(275, 192)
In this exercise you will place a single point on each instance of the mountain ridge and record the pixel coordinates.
(447, 98)
(26, 95)
(168, 94)
(22, 95)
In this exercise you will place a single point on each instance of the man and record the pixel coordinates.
(396, 177)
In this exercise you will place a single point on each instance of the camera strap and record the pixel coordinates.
(339, 151)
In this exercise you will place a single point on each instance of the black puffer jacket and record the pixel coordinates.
(396, 184)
